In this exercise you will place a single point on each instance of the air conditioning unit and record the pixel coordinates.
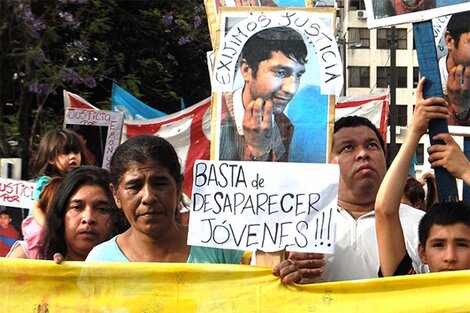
(361, 14)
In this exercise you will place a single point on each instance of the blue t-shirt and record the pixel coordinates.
(41, 182)
(109, 251)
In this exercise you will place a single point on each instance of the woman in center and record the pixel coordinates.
(146, 183)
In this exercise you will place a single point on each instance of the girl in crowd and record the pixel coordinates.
(81, 215)
(413, 194)
(420, 194)
(60, 150)
(30, 249)
(146, 182)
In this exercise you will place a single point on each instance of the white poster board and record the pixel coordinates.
(393, 12)
(16, 193)
(314, 26)
(101, 131)
(439, 26)
(308, 103)
(264, 206)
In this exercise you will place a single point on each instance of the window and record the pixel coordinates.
(359, 35)
(416, 76)
(390, 157)
(402, 115)
(384, 35)
(402, 80)
(383, 77)
(420, 154)
(356, 5)
(359, 76)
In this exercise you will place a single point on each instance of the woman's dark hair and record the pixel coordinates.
(431, 190)
(53, 143)
(141, 149)
(414, 192)
(54, 232)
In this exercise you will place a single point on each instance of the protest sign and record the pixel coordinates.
(100, 130)
(394, 12)
(255, 206)
(213, 7)
(439, 25)
(302, 88)
(16, 193)
(314, 26)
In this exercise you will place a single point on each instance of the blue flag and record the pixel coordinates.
(133, 108)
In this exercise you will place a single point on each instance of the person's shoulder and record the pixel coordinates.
(410, 216)
(41, 182)
(107, 251)
(14, 231)
(43, 179)
(10, 232)
(408, 210)
(19, 250)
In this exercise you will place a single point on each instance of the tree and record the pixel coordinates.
(154, 49)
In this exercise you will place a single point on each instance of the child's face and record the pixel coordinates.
(447, 248)
(66, 162)
(4, 220)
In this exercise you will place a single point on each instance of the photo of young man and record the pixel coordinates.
(455, 69)
(254, 126)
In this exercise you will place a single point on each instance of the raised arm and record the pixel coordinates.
(451, 157)
(390, 237)
(38, 214)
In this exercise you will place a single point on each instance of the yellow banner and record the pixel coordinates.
(42, 286)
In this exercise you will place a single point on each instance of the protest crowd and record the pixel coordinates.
(130, 214)
(387, 222)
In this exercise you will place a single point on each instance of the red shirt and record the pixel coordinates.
(8, 233)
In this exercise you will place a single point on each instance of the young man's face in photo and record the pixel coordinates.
(277, 79)
(460, 53)
(447, 248)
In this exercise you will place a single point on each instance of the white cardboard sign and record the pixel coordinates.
(101, 129)
(264, 206)
(382, 13)
(16, 193)
(310, 24)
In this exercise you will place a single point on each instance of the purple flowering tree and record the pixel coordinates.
(154, 49)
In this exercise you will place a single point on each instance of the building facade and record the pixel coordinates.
(367, 57)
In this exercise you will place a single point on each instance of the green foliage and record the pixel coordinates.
(155, 49)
